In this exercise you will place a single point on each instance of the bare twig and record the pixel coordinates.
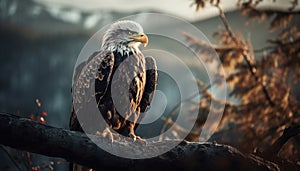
(169, 120)
(294, 4)
(250, 63)
(210, 46)
(288, 133)
(263, 49)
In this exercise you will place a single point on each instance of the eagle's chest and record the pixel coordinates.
(129, 79)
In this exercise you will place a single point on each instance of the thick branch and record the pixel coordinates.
(77, 147)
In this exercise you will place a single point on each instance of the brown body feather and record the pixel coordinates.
(141, 72)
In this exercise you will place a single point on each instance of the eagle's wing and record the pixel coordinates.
(79, 68)
(103, 76)
(98, 67)
(150, 87)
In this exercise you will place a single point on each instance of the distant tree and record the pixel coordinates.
(264, 81)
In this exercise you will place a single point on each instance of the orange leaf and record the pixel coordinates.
(31, 116)
(42, 120)
(44, 113)
(38, 102)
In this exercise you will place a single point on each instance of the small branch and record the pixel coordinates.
(263, 49)
(269, 10)
(294, 5)
(226, 23)
(284, 44)
(209, 46)
(288, 133)
(169, 120)
(246, 57)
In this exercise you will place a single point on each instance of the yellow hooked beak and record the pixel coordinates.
(140, 38)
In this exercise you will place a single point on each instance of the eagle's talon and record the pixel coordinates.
(132, 136)
(106, 134)
(136, 138)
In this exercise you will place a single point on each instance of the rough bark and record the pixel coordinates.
(77, 147)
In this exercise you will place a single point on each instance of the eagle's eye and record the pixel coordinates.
(130, 33)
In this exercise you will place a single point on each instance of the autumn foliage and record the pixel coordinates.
(39, 115)
(264, 83)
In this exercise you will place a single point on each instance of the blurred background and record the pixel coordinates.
(40, 41)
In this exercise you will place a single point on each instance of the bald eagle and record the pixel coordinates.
(119, 58)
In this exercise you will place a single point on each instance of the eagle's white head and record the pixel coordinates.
(124, 37)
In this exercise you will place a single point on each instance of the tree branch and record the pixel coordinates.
(288, 133)
(76, 147)
(247, 58)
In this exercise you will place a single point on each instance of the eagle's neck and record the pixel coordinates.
(125, 49)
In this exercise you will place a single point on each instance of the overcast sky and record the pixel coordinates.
(180, 8)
